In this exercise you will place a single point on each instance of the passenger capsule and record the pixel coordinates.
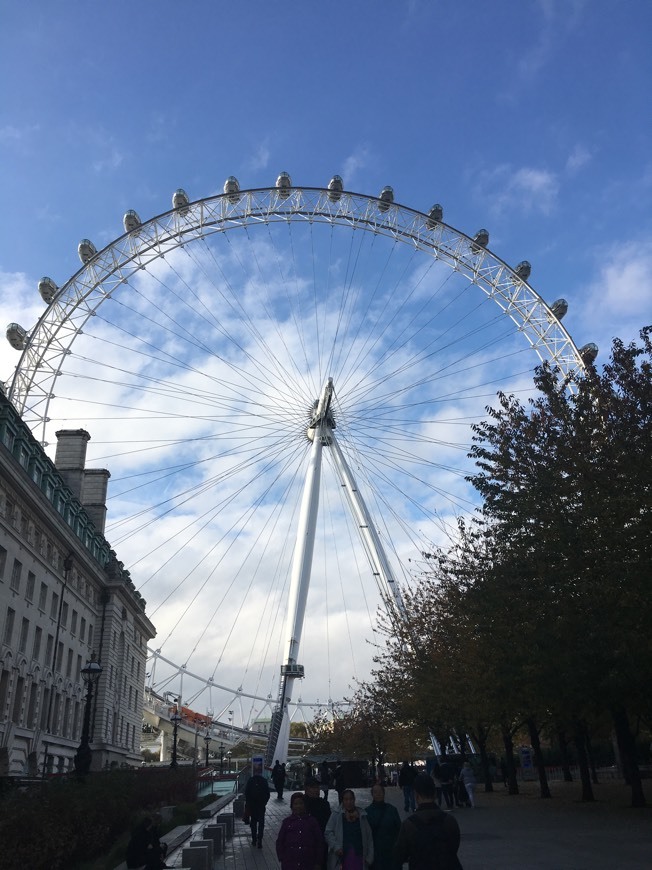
(180, 201)
(86, 250)
(335, 188)
(481, 239)
(284, 185)
(131, 221)
(589, 353)
(386, 198)
(435, 216)
(16, 336)
(559, 308)
(523, 270)
(48, 289)
(232, 189)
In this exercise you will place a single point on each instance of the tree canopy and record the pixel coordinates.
(541, 613)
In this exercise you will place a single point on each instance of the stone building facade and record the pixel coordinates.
(64, 597)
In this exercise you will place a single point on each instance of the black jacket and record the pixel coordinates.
(429, 840)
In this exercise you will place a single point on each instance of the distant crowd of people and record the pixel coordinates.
(316, 837)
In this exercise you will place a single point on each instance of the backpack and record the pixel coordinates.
(257, 791)
(429, 848)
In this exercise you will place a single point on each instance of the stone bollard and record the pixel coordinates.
(166, 813)
(238, 807)
(204, 844)
(194, 858)
(229, 820)
(217, 833)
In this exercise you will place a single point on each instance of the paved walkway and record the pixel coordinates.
(501, 832)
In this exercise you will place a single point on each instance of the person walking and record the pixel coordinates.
(429, 838)
(319, 808)
(278, 778)
(385, 823)
(447, 777)
(406, 777)
(349, 838)
(300, 843)
(256, 797)
(325, 774)
(467, 778)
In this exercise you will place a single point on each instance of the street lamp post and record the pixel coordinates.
(90, 674)
(228, 761)
(195, 757)
(207, 741)
(221, 759)
(175, 718)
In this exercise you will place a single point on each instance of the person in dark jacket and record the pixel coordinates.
(406, 777)
(429, 838)
(318, 807)
(144, 848)
(256, 797)
(300, 844)
(278, 778)
(385, 823)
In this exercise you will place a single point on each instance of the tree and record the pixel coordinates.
(567, 488)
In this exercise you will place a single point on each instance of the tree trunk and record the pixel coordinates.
(538, 758)
(582, 760)
(508, 741)
(481, 737)
(589, 752)
(565, 760)
(628, 753)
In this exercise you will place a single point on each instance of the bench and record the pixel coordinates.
(211, 809)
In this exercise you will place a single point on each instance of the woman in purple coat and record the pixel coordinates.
(299, 845)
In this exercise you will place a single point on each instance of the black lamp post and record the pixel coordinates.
(175, 718)
(207, 741)
(221, 759)
(90, 674)
(228, 761)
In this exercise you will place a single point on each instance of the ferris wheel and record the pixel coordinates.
(219, 353)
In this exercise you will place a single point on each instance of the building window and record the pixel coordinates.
(3, 562)
(15, 575)
(64, 614)
(82, 628)
(78, 669)
(9, 626)
(54, 606)
(36, 649)
(48, 650)
(73, 622)
(59, 656)
(24, 631)
(43, 597)
(69, 664)
(90, 635)
(31, 583)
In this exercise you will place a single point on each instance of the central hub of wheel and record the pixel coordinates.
(321, 418)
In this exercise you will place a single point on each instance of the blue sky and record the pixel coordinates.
(530, 118)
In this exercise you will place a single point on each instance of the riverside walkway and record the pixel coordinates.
(520, 832)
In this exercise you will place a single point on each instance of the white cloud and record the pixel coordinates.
(357, 161)
(12, 134)
(112, 160)
(579, 157)
(618, 300)
(525, 190)
(19, 303)
(260, 158)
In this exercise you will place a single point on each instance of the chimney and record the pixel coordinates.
(96, 481)
(70, 457)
